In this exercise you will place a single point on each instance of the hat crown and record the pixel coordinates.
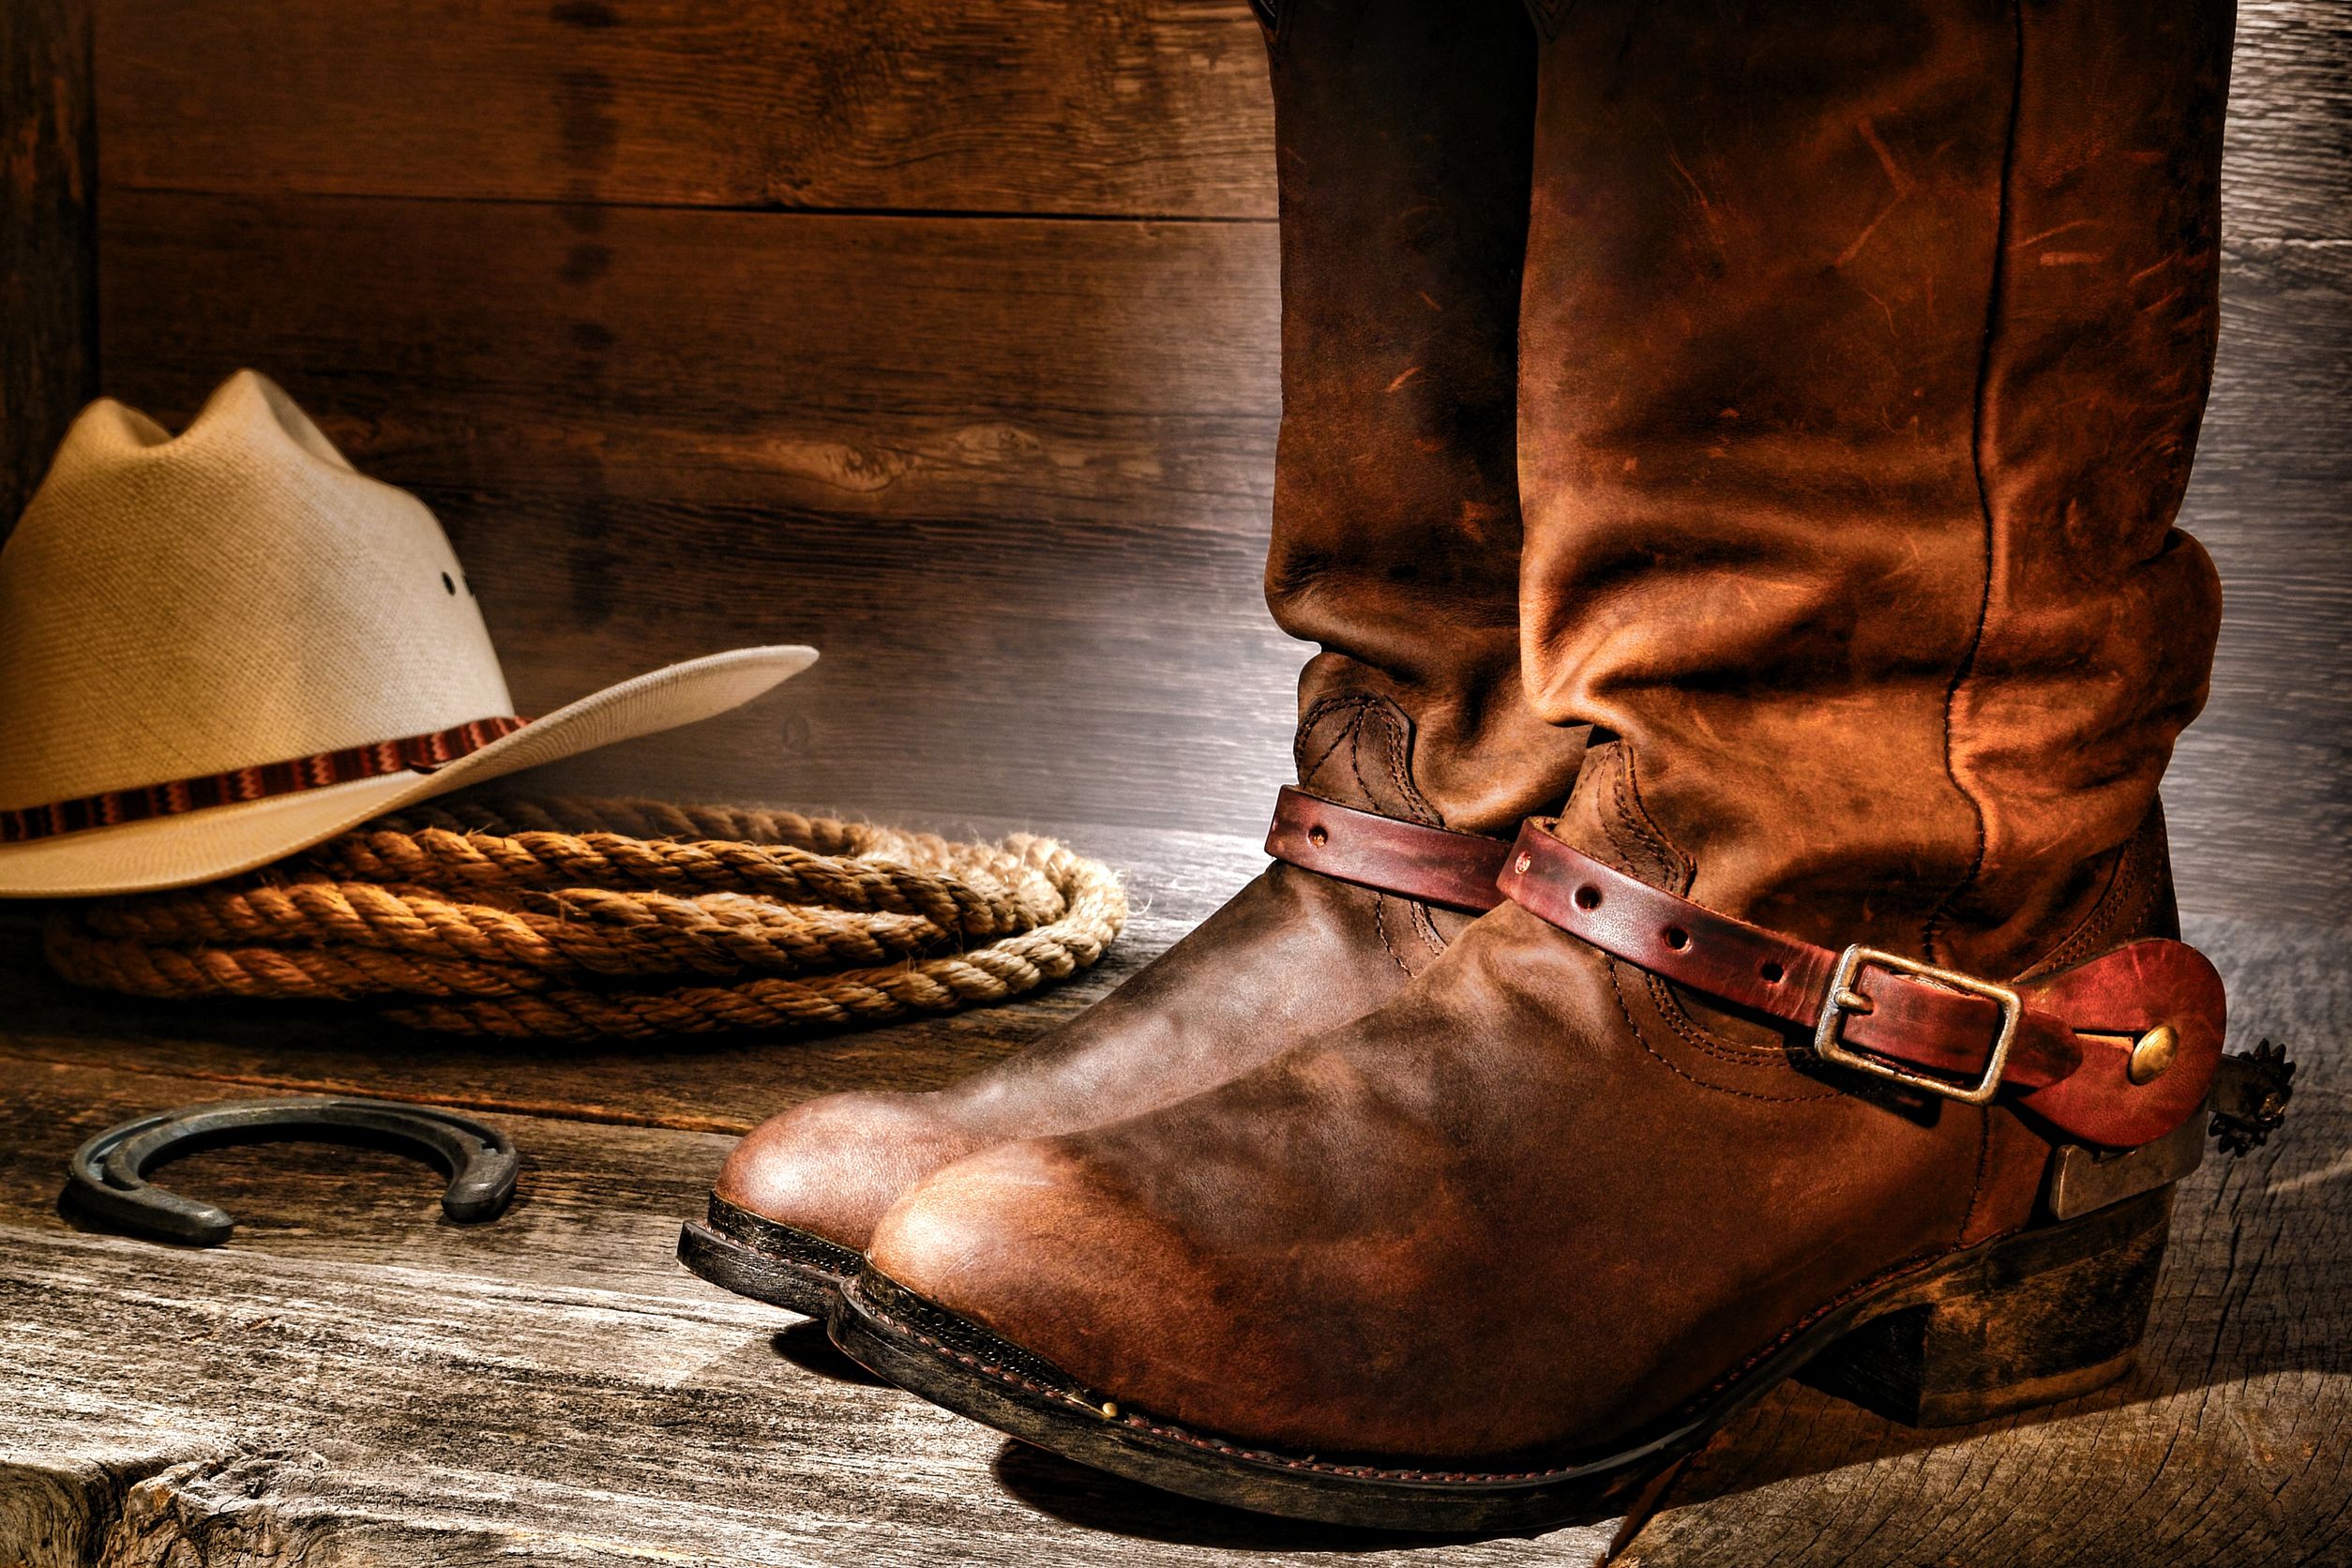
(176, 606)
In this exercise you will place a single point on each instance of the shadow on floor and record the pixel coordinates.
(805, 1346)
(1076, 1495)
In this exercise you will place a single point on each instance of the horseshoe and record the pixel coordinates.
(106, 1184)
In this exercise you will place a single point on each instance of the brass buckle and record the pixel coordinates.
(1845, 1001)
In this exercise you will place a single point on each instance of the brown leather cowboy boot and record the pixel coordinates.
(1857, 934)
(1405, 136)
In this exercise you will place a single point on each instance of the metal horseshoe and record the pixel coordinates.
(107, 1186)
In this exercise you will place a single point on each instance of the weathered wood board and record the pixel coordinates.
(48, 250)
(1021, 508)
(1135, 107)
(355, 1379)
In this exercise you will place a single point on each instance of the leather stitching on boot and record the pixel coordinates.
(1641, 1037)
(1409, 805)
(1699, 1037)
(1379, 923)
(1676, 869)
(1400, 773)
(1670, 866)
(1426, 928)
(1345, 719)
(1400, 748)
(2122, 907)
(1307, 770)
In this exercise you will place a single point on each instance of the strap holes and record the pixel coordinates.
(1677, 938)
(1318, 836)
(1587, 898)
(1771, 973)
(448, 586)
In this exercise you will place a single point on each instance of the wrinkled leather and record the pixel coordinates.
(1403, 136)
(1864, 347)
(1853, 431)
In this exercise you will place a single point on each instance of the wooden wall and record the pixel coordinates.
(939, 336)
(942, 336)
(2260, 794)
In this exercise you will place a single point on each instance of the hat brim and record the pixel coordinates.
(176, 851)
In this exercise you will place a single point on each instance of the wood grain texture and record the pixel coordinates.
(1011, 478)
(1153, 107)
(48, 247)
(354, 1379)
(2289, 141)
(399, 1412)
(1140, 106)
(2260, 792)
(870, 367)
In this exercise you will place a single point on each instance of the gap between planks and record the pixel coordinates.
(562, 1110)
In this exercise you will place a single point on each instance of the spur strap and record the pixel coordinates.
(2118, 1051)
(1433, 864)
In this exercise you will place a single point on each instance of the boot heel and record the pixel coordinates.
(2039, 1317)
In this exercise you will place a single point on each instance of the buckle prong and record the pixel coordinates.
(1845, 1001)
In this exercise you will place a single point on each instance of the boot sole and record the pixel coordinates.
(753, 1256)
(2028, 1319)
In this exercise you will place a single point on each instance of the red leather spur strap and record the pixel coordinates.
(2060, 1045)
(1434, 865)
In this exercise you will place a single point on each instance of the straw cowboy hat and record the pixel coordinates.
(219, 648)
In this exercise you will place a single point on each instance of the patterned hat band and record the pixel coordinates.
(412, 754)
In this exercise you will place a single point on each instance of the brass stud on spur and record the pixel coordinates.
(2154, 1057)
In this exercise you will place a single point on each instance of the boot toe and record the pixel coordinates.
(831, 1167)
(1043, 1248)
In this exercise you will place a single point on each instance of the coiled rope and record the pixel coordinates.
(576, 919)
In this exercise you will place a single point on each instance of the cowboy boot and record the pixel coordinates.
(1404, 137)
(1864, 356)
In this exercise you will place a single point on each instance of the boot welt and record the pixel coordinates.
(2027, 1320)
(754, 1255)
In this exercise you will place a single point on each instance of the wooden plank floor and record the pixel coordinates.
(353, 1380)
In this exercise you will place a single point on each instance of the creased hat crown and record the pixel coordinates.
(176, 606)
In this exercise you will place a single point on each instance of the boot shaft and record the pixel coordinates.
(1864, 353)
(1404, 133)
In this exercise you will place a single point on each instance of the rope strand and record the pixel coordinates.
(632, 919)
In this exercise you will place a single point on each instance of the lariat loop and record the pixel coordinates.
(632, 919)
